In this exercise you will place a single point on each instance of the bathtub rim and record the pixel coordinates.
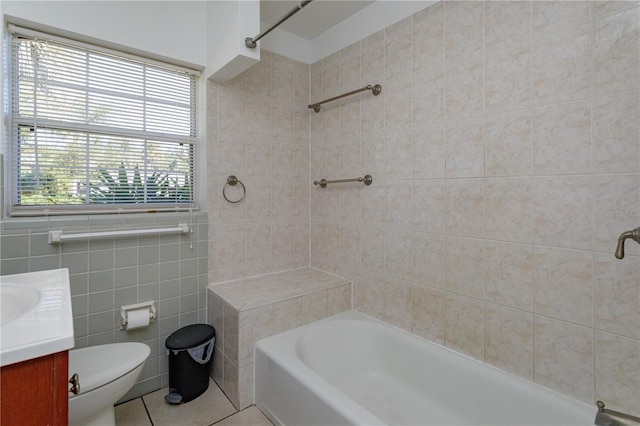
(333, 396)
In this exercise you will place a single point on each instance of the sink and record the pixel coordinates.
(36, 318)
(16, 301)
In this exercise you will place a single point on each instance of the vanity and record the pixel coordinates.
(36, 335)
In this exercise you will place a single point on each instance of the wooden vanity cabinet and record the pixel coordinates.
(35, 392)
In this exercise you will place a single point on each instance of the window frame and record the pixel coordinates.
(11, 181)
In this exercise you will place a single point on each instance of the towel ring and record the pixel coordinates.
(232, 181)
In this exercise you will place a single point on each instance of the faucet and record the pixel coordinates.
(606, 417)
(634, 234)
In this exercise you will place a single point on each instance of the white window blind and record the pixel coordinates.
(95, 130)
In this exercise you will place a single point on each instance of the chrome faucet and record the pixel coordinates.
(634, 234)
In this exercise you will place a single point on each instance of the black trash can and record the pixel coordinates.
(190, 353)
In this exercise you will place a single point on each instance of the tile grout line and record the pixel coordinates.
(144, 404)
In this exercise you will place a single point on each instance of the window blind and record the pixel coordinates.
(94, 130)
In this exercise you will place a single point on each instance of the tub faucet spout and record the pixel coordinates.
(634, 234)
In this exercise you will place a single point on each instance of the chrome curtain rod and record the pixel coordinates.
(374, 89)
(367, 179)
(250, 43)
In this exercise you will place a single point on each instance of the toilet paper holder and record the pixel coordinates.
(150, 307)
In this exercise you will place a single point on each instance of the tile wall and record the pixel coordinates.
(258, 130)
(245, 311)
(505, 155)
(505, 152)
(106, 274)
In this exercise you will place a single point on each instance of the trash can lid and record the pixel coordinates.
(190, 336)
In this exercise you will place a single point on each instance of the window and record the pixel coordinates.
(98, 131)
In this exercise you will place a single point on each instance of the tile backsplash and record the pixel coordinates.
(108, 273)
(505, 155)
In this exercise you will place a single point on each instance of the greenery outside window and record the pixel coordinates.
(97, 131)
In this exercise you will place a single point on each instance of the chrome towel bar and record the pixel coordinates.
(374, 89)
(367, 179)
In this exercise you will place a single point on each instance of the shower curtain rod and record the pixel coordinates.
(251, 42)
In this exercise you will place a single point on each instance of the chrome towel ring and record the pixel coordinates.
(232, 181)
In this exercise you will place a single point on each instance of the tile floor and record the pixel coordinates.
(210, 408)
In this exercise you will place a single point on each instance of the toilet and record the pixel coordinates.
(106, 373)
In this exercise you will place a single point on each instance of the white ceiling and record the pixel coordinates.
(314, 19)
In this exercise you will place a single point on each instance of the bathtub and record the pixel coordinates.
(354, 369)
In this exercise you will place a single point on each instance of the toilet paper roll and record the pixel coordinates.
(137, 319)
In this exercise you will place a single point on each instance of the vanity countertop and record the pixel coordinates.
(36, 315)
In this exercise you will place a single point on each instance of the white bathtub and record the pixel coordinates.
(353, 369)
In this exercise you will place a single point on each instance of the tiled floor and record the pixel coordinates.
(210, 408)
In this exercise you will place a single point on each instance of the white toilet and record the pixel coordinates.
(106, 373)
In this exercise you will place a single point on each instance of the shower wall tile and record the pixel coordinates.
(429, 153)
(508, 274)
(508, 206)
(464, 150)
(563, 284)
(562, 139)
(616, 129)
(617, 208)
(397, 75)
(427, 92)
(398, 210)
(397, 302)
(250, 310)
(399, 155)
(463, 29)
(463, 97)
(465, 207)
(616, 45)
(267, 148)
(428, 309)
(509, 339)
(616, 294)
(505, 155)
(368, 293)
(464, 325)
(563, 211)
(562, 54)
(508, 150)
(339, 299)
(428, 260)
(617, 370)
(429, 205)
(464, 266)
(555, 15)
(507, 67)
(564, 357)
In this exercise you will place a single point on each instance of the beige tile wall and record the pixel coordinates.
(505, 154)
(505, 151)
(258, 130)
(245, 311)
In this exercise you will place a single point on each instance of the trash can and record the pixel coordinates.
(190, 352)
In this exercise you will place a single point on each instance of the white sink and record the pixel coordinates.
(36, 318)
(16, 301)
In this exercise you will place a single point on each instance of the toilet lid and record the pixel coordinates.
(98, 365)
